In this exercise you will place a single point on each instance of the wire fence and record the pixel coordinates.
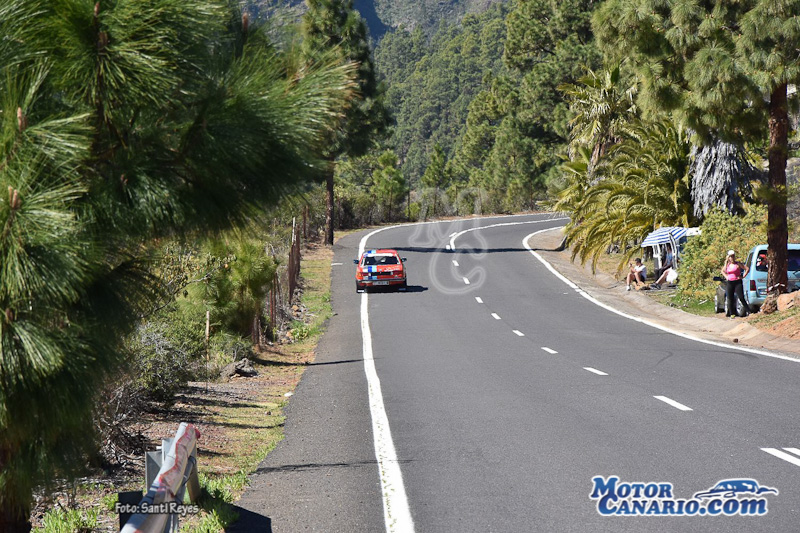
(283, 293)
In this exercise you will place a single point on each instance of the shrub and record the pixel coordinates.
(704, 255)
(161, 367)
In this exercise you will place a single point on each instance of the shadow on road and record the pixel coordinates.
(336, 362)
(250, 521)
(465, 250)
(316, 466)
(410, 288)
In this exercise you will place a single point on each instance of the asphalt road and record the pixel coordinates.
(506, 392)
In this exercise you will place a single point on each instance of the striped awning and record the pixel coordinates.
(664, 236)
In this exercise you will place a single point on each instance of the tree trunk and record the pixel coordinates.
(329, 205)
(435, 197)
(777, 230)
(11, 523)
(13, 519)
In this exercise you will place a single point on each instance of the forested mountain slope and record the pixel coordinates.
(427, 14)
(431, 85)
(387, 15)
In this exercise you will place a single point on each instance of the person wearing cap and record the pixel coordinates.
(734, 271)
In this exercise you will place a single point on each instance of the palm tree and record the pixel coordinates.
(120, 122)
(721, 175)
(602, 107)
(643, 185)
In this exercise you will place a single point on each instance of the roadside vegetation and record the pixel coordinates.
(154, 155)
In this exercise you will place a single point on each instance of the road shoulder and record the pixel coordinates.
(612, 292)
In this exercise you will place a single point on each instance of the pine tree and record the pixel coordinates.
(722, 68)
(336, 25)
(389, 181)
(120, 122)
(437, 174)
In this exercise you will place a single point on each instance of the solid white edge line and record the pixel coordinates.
(466, 281)
(548, 350)
(595, 371)
(673, 403)
(396, 511)
(643, 320)
(518, 332)
(793, 450)
(495, 316)
(782, 455)
(478, 299)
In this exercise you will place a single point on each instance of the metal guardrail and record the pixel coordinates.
(160, 509)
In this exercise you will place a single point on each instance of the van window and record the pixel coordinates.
(794, 261)
(761, 261)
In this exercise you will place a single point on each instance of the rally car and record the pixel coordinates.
(380, 268)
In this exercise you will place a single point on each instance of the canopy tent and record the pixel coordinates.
(667, 235)
(670, 235)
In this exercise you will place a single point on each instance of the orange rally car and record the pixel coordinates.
(378, 268)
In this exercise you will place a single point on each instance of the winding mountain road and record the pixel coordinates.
(493, 392)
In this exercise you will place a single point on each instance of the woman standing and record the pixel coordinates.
(734, 271)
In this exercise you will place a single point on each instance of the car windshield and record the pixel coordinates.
(371, 260)
(794, 261)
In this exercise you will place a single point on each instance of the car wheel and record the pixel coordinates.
(717, 307)
(360, 287)
(404, 286)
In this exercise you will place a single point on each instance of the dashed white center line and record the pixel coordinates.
(466, 281)
(548, 350)
(336, 264)
(595, 371)
(673, 403)
(455, 263)
(478, 299)
(495, 316)
(519, 333)
(447, 246)
(783, 455)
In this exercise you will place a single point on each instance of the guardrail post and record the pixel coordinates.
(152, 464)
(193, 482)
(132, 497)
(178, 469)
